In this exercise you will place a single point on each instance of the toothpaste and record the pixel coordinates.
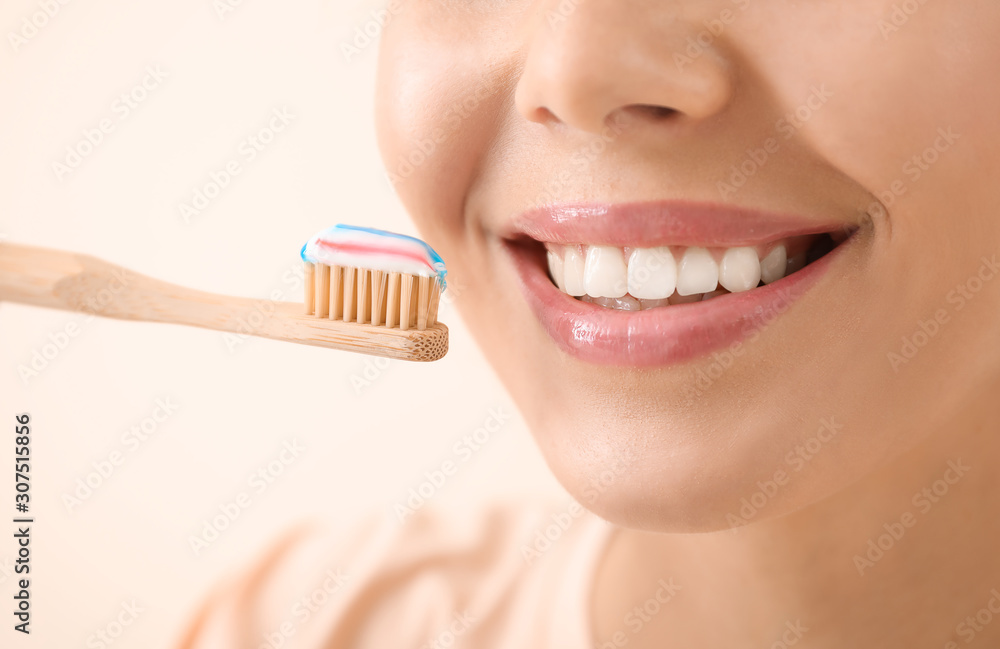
(358, 247)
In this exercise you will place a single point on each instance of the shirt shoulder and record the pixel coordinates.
(505, 575)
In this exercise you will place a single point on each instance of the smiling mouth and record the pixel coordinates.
(642, 277)
(649, 284)
(637, 279)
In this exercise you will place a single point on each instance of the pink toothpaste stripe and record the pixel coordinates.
(357, 248)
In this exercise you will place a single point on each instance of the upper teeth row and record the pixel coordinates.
(655, 273)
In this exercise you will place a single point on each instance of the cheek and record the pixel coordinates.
(438, 110)
(913, 105)
(926, 110)
(435, 112)
(912, 118)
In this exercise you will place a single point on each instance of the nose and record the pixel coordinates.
(603, 60)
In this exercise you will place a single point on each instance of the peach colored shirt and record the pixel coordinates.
(509, 576)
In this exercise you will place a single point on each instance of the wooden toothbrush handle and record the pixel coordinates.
(70, 281)
(75, 282)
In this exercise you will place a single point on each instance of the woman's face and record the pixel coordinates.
(707, 134)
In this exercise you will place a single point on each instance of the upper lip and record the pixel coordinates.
(661, 223)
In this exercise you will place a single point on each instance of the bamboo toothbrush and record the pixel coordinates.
(378, 310)
(404, 293)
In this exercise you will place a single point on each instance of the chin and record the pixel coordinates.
(655, 478)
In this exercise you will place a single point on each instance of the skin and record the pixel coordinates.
(541, 85)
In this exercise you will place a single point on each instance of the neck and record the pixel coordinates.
(906, 557)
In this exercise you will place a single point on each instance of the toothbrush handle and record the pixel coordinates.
(58, 279)
(70, 281)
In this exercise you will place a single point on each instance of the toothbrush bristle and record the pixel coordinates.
(368, 296)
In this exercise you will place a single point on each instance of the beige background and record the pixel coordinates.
(367, 445)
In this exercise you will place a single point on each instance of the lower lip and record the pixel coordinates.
(662, 336)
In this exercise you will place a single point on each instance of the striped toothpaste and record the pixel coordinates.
(360, 247)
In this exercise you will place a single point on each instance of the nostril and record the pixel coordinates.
(543, 115)
(658, 112)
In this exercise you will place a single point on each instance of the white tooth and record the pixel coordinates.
(772, 267)
(697, 272)
(796, 263)
(739, 270)
(573, 272)
(652, 273)
(604, 272)
(556, 269)
(627, 303)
